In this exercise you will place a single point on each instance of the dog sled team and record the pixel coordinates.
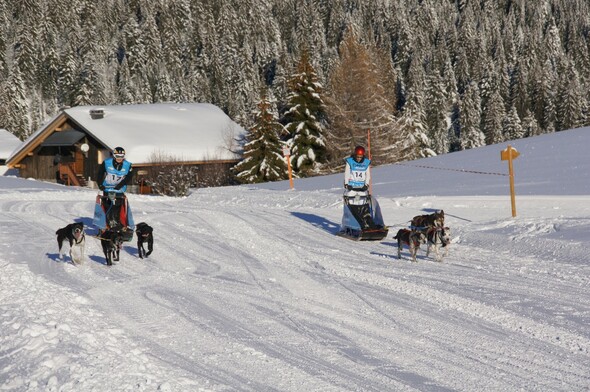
(112, 216)
(362, 218)
(425, 229)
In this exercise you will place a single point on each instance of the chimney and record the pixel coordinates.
(96, 114)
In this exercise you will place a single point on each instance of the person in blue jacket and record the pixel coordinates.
(114, 174)
(357, 174)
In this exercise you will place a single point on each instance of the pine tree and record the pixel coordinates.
(305, 118)
(309, 29)
(16, 117)
(437, 114)
(263, 159)
(519, 96)
(49, 72)
(569, 100)
(493, 118)
(543, 95)
(530, 126)
(470, 118)
(26, 53)
(3, 39)
(413, 142)
(412, 132)
(85, 90)
(512, 125)
(124, 91)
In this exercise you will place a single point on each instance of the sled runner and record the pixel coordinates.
(112, 211)
(362, 219)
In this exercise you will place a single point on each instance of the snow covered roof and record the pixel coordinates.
(185, 131)
(8, 143)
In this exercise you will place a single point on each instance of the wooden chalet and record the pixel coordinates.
(71, 146)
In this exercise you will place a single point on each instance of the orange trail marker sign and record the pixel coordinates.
(509, 154)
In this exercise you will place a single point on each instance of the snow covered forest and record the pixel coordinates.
(426, 77)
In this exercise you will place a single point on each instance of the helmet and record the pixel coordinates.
(119, 152)
(359, 150)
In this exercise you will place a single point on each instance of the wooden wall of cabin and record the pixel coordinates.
(37, 166)
(40, 165)
(91, 161)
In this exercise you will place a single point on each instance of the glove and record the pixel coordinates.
(347, 187)
(118, 186)
(101, 187)
(364, 188)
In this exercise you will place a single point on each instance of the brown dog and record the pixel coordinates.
(436, 219)
(412, 239)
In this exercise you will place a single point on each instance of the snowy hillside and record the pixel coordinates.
(249, 289)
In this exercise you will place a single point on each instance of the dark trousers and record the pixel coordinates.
(115, 209)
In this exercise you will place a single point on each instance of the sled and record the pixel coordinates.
(112, 210)
(362, 219)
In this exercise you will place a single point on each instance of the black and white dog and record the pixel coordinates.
(112, 242)
(412, 239)
(74, 234)
(145, 234)
(438, 237)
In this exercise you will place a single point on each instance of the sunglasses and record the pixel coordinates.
(119, 156)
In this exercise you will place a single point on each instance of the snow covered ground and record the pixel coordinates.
(249, 289)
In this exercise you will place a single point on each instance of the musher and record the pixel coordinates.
(113, 176)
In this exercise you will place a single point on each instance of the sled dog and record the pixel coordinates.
(436, 219)
(412, 239)
(145, 234)
(438, 237)
(74, 234)
(112, 242)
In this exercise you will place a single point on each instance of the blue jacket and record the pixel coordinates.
(114, 176)
(357, 173)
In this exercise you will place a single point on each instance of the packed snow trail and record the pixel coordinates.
(254, 291)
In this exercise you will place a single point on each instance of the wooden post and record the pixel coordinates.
(509, 154)
(287, 155)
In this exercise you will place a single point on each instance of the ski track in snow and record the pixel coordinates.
(253, 291)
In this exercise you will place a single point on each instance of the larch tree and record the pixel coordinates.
(305, 119)
(357, 102)
(263, 159)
